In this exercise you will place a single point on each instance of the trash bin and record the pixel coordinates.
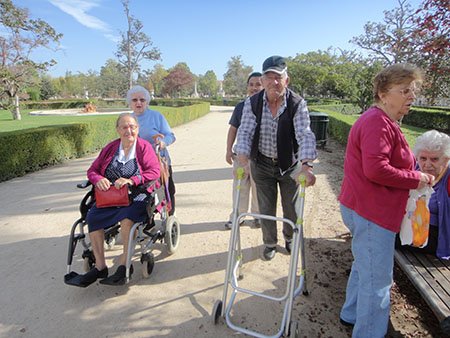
(319, 125)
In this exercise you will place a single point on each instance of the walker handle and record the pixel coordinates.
(240, 173)
(302, 180)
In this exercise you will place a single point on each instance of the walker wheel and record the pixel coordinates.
(216, 311)
(172, 236)
(148, 263)
(293, 329)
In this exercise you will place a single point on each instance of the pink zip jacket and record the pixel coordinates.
(145, 157)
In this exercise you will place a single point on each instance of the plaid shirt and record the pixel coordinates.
(268, 133)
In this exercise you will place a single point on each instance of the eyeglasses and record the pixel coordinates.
(408, 92)
(130, 126)
(140, 100)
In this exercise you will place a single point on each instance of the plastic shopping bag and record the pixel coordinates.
(416, 221)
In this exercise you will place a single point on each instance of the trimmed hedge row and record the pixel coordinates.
(429, 119)
(100, 103)
(61, 104)
(340, 124)
(33, 149)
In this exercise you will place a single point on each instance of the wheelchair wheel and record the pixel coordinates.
(148, 262)
(172, 236)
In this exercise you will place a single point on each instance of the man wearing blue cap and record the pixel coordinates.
(275, 134)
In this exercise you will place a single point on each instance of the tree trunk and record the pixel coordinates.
(16, 111)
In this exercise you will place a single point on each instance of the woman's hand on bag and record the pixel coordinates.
(425, 179)
(121, 181)
(103, 184)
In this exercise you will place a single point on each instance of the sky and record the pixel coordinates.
(205, 34)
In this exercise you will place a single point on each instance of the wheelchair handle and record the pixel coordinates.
(84, 184)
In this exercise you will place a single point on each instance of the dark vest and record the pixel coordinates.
(286, 142)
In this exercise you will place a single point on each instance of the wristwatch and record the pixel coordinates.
(308, 164)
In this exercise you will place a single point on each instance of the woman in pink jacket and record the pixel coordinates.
(127, 160)
(378, 174)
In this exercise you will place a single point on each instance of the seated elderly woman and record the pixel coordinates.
(127, 160)
(432, 151)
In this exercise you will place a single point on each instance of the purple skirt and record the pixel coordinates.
(102, 218)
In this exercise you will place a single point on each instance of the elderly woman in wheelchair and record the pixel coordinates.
(130, 161)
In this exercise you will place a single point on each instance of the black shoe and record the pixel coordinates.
(119, 277)
(269, 253)
(92, 275)
(288, 246)
(345, 323)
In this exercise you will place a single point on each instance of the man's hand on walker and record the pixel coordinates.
(244, 163)
(309, 175)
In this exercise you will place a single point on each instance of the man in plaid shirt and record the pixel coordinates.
(275, 135)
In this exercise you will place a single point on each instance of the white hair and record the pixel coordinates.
(433, 140)
(138, 89)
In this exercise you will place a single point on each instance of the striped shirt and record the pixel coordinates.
(268, 133)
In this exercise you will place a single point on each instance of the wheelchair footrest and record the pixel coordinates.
(74, 279)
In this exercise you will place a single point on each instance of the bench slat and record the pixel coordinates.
(440, 274)
(438, 300)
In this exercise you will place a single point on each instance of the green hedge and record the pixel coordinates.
(32, 149)
(60, 104)
(102, 103)
(339, 125)
(429, 119)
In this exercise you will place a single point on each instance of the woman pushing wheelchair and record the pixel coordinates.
(131, 161)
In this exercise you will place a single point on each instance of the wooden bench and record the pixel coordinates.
(431, 277)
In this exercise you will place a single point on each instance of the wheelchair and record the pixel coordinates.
(158, 226)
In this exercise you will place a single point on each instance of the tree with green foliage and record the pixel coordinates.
(135, 46)
(432, 38)
(157, 76)
(70, 85)
(235, 79)
(307, 72)
(419, 36)
(207, 84)
(47, 90)
(364, 73)
(179, 82)
(20, 37)
(113, 79)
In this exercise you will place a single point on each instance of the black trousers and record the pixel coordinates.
(171, 191)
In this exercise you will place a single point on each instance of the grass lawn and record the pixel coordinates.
(31, 121)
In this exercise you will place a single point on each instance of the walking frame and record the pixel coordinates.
(288, 327)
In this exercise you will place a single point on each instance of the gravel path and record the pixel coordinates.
(176, 301)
